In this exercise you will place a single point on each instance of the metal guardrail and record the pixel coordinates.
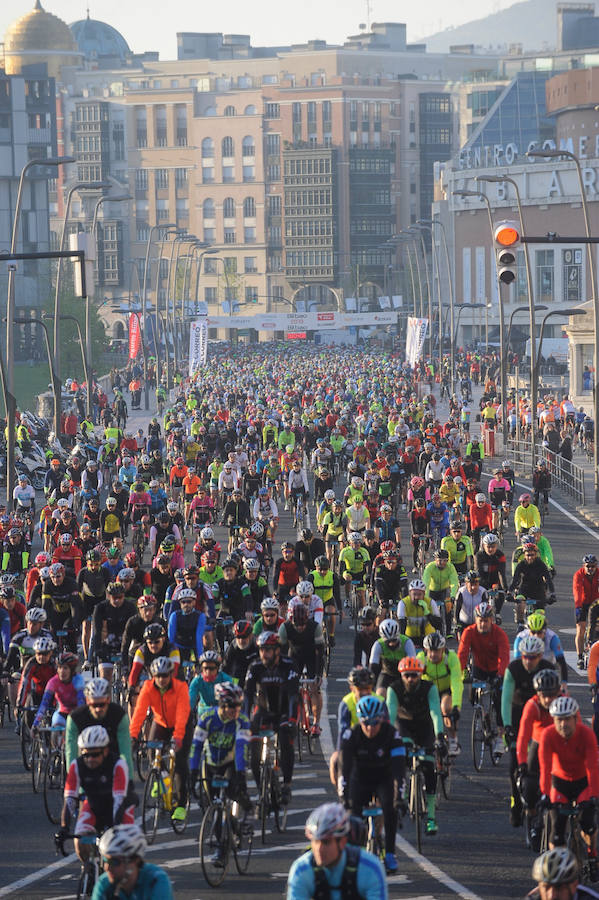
(565, 475)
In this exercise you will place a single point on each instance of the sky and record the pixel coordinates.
(145, 26)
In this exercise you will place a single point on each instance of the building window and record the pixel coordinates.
(118, 137)
(251, 295)
(326, 114)
(228, 174)
(545, 275)
(180, 177)
(272, 111)
(273, 144)
(249, 234)
(210, 266)
(142, 231)
(141, 179)
(161, 178)
(273, 173)
(207, 148)
(296, 112)
(207, 174)
(249, 173)
(249, 264)
(210, 295)
(312, 112)
(229, 110)
(274, 205)
(248, 145)
(230, 236)
(227, 146)
(249, 208)
(229, 208)
(208, 209)
(210, 235)
(230, 265)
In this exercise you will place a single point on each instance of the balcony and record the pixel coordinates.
(141, 139)
(161, 137)
(39, 135)
(181, 137)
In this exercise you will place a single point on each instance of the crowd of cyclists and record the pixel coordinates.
(134, 625)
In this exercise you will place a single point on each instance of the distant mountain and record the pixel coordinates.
(532, 23)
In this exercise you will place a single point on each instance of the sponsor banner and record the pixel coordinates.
(198, 344)
(296, 335)
(311, 321)
(415, 336)
(134, 336)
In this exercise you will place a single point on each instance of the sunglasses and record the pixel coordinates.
(162, 676)
(93, 754)
(98, 704)
(410, 675)
(114, 861)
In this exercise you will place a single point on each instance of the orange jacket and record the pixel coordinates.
(170, 709)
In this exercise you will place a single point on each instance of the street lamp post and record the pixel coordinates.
(144, 297)
(461, 308)
(181, 235)
(418, 231)
(573, 311)
(56, 383)
(512, 314)
(84, 358)
(428, 225)
(437, 221)
(499, 179)
(555, 154)
(9, 380)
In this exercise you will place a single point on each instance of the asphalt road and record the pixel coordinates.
(476, 853)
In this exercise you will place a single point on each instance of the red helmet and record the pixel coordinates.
(410, 664)
(131, 559)
(387, 545)
(43, 559)
(209, 556)
(180, 461)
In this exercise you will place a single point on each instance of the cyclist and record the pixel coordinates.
(569, 773)
(536, 624)
(420, 524)
(532, 579)
(91, 582)
(326, 586)
(36, 674)
(297, 486)
(99, 709)
(585, 588)
(441, 584)
(63, 690)
(365, 637)
(224, 732)
(167, 698)
(387, 652)
(467, 599)
(525, 516)
(418, 615)
(499, 489)
(541, 484)
(390, 581)
(535, 718)
(102, 777)
(109, 620)
(517, 690)
(334, 866)
(333, 526)
(20, 648)
(202, 688)
(543, 546)
(302, 641)
(490, 649)
(481, 519)
(354, 562)
(236, 515)
(442, 667)
(186, 626)
(459, 547)
(240, 652)
(373, 764)
(271, 701)
(415, 708)
(439, 518)
(288, 571)
(557, 874)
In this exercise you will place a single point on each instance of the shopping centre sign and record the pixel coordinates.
(488, 156)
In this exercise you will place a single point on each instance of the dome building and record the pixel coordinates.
(39, 38)
(101, 45)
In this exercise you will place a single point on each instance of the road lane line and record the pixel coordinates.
(37, 876)
(434, 871)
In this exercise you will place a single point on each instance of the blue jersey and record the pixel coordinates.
(225, 742)
(202, 692)
(371, 879)
(152, 884)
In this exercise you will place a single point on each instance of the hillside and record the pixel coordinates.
(532, 23)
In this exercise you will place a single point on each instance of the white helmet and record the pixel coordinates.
(562, 707)
(36, 614)
(490, 539)
(97, 689)
(207, 534)
(43, 645)
(355, 536)
(162, 665)
(531, 645)
(93, 737)
(305, 589)
(480, 498)
(269, 603)
(328, 820)
(329, 495)
(389, 629)
(417, 585)
(557, 866)
(123, 840)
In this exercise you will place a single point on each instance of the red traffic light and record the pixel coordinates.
(506, 234)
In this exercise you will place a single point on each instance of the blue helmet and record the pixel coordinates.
(371, 709)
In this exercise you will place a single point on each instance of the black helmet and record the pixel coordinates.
(93, 555)
(547, 681)
(322, 562)
(441, 554)
(154, 632)
(307, 534)
(360, 677)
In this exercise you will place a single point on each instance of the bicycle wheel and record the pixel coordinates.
(87, 879)
(279, 811)
(444, 780)
(300, 731)
(214, 822)
(37, 765)
(492, 735)
(143, 761)
(478, 738)
(243, 839)
(26, 744)
(264, 800)
(418, 805)
(54, 786)
(151, 805)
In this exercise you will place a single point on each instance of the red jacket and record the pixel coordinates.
(170, 708)
(570, 760)
(490, 651)
(585, 589)
(535, 718)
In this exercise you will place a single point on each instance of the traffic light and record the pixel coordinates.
(507, 240)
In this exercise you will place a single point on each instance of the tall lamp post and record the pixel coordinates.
(556, 154)
(512, 314)
(406, 240)
(418, 231)
(570, 312)
(461, 308)
(428, 225)
(437, 221)
(144, 299)
(9, 380)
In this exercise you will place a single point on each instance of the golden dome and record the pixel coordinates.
(39, 30)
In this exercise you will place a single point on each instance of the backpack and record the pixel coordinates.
(349, 879)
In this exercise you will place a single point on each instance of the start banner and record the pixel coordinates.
(310, 321)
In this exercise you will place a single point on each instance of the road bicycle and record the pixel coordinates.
(443, 766)
(269, 790)
(375, 840)
(5, 709)
(417, 809)
(54, 776)
(421, 551)
(484, 725)
(299, 512)
(304, 721)
(574, 839)
(223, 830)
(158, 792)
(90, 867)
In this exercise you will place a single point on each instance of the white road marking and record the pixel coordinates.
(309, 792)
(37, 876)
(566, 512)
(434, 871)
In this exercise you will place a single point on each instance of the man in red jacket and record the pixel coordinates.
(585, 589)
(490, 649)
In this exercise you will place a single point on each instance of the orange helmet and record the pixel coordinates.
(410, 664)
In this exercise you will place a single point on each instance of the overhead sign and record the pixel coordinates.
(296, 335)
(312, 321)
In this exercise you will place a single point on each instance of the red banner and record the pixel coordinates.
(296, 335)
(134, 336)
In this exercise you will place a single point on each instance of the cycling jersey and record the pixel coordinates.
(446, 675)
(224, 741)
(371, 883)
(439, 579)
(65, 694)
(490, 650)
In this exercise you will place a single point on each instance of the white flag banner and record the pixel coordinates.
(415, 337)
(198, 344)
